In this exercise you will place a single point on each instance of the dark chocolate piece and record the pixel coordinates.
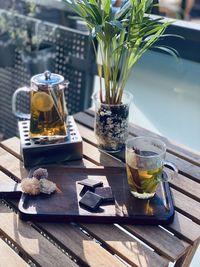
(90, 183)
(85, 189)
(105, 193)
(90, 201)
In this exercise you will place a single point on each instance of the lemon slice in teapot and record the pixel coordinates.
(42, 101)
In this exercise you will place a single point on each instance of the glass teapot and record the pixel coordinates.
(48, 111)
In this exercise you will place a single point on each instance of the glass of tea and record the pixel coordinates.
(145, 160)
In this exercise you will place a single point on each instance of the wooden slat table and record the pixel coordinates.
(61, 244)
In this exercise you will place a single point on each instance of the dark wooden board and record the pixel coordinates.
(64, 206)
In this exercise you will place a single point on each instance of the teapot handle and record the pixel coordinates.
(17, 113)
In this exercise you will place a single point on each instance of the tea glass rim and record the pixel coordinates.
(129, 95)
(161, 143)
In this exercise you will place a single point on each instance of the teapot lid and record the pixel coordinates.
(47, 78)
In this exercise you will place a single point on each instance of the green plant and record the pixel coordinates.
(122, 39)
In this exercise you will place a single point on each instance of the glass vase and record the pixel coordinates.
(111, 123)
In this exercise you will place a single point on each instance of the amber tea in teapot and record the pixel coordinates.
(48, 112)
(47, 115)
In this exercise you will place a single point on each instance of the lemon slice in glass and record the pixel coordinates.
(42, 101)
(145, 174)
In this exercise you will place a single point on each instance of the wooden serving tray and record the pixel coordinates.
(64, 206)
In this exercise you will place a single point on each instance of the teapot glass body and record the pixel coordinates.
(48, 111)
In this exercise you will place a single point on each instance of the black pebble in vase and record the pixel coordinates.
(111, 127)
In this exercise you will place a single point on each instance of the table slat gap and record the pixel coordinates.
(181, 227)
(92, 151)
(23, 254)
(192, 178)
(181, 188)
(10, 148)
(8, 179)
(182, 183)
(185, 199)
(39, 227)
(31, 243)
(13, 145)
(90, 138)
(194, 226)
(186, 259)
(188, 236)
(185, 185)
(183, 204)
(10, 174)
(124, 245)
(175, 149)
(100, 158)
(183, 191)
(101, 256)
(85, 120)
(160, 240)
(12, 165)
(14, 205)
(185, 167)
(10, 257)
(90, 112)
(45, 230)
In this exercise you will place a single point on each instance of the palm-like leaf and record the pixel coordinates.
(123, 37)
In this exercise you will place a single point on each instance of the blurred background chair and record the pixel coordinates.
(70, 53)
